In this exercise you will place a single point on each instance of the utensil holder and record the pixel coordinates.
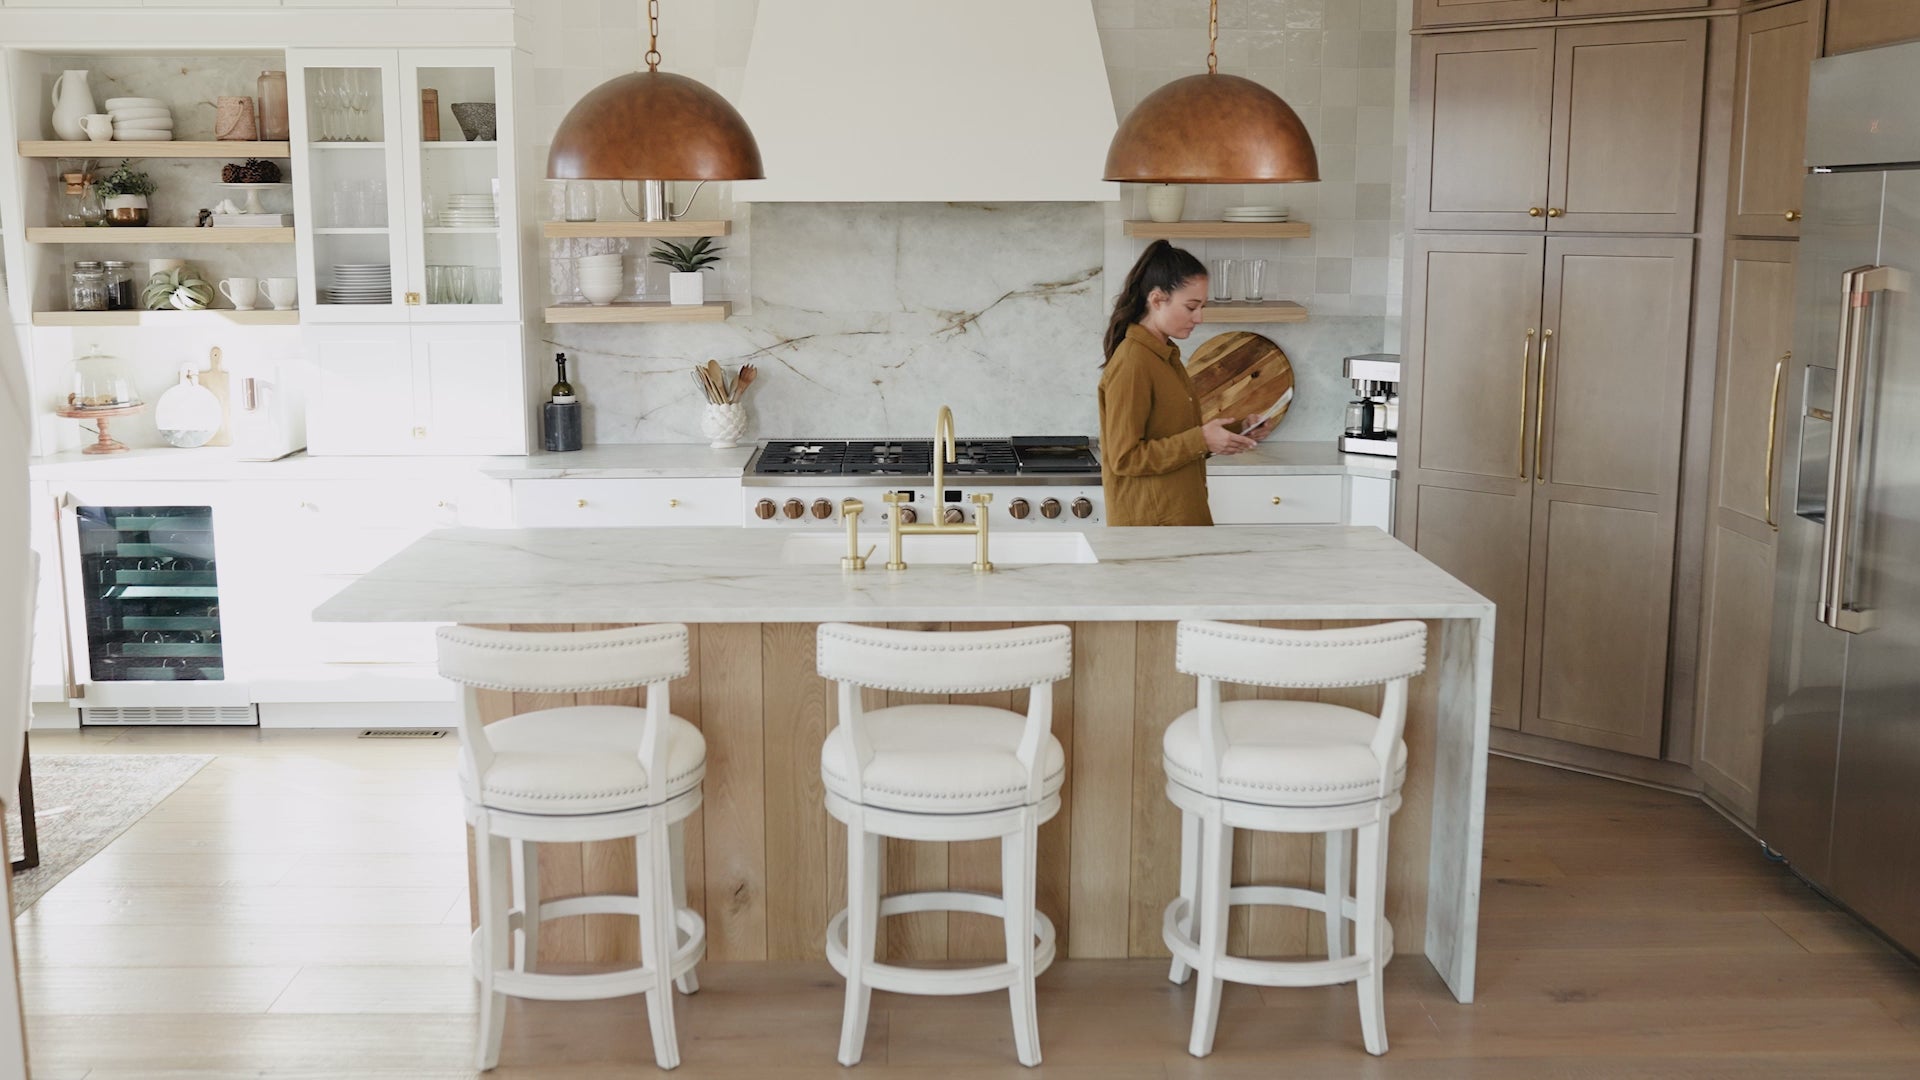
(724, 424)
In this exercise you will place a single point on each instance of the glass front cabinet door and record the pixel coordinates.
(404, 173)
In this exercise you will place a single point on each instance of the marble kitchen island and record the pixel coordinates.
(766, 863)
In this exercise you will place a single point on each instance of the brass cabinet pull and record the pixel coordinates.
(413, 299)
(1793, 215)
(1773, 430)
(1526, 348)
(1540, 410)
(1534, 211)
(1554, 211)
(582, 504)
(673, 503)
(1276, 500)
(419, 433)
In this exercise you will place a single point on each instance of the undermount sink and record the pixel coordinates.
(1004, 548)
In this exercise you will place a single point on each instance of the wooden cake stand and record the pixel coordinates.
(107, 443)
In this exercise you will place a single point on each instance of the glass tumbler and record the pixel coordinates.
(436, 284)
(1256, 279)
(486, 284)
(1221, 279)
(580, 201)
(459, 284)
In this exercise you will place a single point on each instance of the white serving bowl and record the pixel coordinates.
(113, 103)
(141, 114)
(599, 294)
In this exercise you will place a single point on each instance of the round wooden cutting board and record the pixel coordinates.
(1238, 375)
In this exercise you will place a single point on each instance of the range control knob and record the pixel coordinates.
(1082, 508)
(792, 508)
(953, 515)
(907, 516)
(1050, 508)
(764, 509)
(1020, 508)
(822, 509)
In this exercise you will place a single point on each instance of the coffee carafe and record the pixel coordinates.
(1373, 416)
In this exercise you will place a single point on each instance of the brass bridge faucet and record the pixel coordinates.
(943, 453)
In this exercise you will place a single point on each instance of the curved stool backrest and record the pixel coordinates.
(1216, 652)
(580, 661)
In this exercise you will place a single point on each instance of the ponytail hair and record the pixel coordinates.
(1162, 266)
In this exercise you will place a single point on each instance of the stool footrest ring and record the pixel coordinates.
(941, 981)
(1241, 969)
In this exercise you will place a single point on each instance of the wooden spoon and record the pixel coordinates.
(747, 374)
(718, 375)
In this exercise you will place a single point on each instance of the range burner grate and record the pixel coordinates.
(801, 457)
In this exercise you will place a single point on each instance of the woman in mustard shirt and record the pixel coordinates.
(1153, 447)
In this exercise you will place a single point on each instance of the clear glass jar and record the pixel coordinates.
(272, 102)
(101, 382)
(119, 285)
(87, 287)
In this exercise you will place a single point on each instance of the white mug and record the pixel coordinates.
(281, 292)
(244, 292)
(98, 126)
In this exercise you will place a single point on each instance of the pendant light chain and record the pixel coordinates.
(1213, 37)
(653, 35)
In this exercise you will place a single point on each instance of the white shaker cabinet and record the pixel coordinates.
(396, 389)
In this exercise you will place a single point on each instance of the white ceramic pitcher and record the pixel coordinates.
(72, 99)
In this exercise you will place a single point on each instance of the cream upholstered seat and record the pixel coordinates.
(583, 759)
(942, 772)
(1302, 753)
(1288, 766)
(566, 775)
(940, 759)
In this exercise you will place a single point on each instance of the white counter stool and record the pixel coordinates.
(1287, 766)
(567, 775)
(943, 773)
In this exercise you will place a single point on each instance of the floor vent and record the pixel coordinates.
(171, 716)
(403, 733)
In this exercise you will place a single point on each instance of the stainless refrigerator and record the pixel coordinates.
(1840, 772)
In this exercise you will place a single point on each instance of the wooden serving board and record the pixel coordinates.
(1239, 374)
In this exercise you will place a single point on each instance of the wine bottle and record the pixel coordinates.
(562, 390)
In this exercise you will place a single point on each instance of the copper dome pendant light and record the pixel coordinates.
(653, 126)
(1212, 129)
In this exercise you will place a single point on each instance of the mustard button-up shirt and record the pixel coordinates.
(1153, 464)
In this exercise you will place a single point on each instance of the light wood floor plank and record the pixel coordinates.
(124, 992)
(446, 990)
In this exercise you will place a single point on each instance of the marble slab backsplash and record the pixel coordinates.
(865, 319)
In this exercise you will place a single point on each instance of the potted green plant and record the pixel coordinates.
(123, 193)
(685, 285)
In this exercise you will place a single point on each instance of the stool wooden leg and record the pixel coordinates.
(657, 934)
(1216, 874)
(1370, 901)
(690, 982)
(863, 918)
(527, 898)
(1339, 868)
(1018, 867)
(1189, 887)
(494, 867)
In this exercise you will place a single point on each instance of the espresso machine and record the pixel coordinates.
(1373, 416)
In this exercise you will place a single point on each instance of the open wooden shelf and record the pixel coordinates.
(166, 318)
(237, 151)
(1247, 311)
(1219, 230)
(645, 312)
(562, 230)
(136, 234)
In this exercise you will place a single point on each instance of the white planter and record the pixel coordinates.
(1166, 202)
(687, 288)
(725, 423)
(125, 202)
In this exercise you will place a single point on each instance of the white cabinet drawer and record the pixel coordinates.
(605, 503)
(1277, 500)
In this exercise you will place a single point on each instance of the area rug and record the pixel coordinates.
(83, 801)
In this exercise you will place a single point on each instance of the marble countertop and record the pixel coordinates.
(1276, 458)
(723, 575)
(622, 461)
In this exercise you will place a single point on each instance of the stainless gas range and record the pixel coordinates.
(1035, 481)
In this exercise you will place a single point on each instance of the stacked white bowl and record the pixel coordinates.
(140, 119)
(600, 277)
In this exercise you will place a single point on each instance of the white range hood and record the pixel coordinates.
(928, 101)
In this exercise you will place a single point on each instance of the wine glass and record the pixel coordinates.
(361, 96)
(325, 98)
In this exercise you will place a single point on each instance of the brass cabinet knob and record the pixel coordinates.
(673, 504)
(1082, 508)
(822, 509)
(1020, 508)
(1050, 508)
(441, 505)
(1276, 500)
(792, 508)
(419, 433)
(1534, 211)
(582, 504)
(907, 515)
(953, 515)
(413, 299)
(764, 509)
(1554, 211)
(1793, 215)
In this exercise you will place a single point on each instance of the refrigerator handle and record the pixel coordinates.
(1836, 559)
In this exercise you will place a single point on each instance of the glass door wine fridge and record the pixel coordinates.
(144, 616)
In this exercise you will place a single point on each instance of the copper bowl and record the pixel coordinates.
(127, 215)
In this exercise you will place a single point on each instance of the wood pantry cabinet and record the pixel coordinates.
(1756, 332)
(1777, 49)
(1540, 463)
(1863, 24)
(1457, 12)
(1573, 129)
